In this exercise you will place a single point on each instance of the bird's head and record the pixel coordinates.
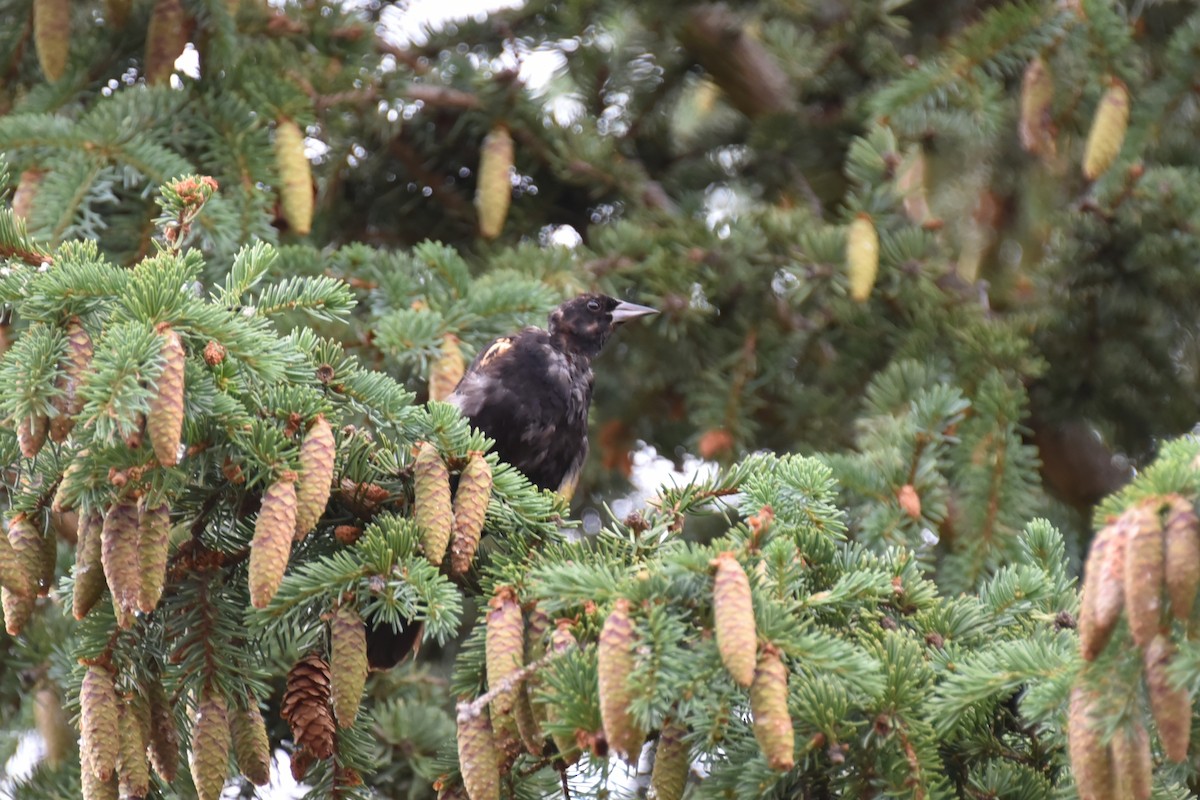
(584, 324)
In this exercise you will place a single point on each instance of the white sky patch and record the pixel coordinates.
(410, 23)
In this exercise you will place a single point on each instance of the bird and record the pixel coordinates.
(530, 392)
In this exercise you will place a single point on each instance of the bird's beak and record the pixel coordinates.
(627, 311)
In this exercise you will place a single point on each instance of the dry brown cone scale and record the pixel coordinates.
(306, 706)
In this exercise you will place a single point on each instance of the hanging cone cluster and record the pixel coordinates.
(1091, 762)
(119, 556)
(862, 257)
(1132, 762)
(165, 420)
(306, 706)
(1036, 128)
(477, 756)
(669, 777)
(75, 365)
(768, 704)
(431, 506)
(295, 174)
(504, 649)
(132, 768)
(52, 36)
(166, 37)
(211, 741)
(348, 659)
(615, 668)
(1108, 131)
(470, 508)
(1134, 561)
(272, 544)
(733, 617)
(447, 370)
(89, 571)
(493, 191)
(315, 481)
(98, 723)
(154, 540)
(251, 745)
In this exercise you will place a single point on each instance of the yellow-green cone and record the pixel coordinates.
(1103, 588)
(316, 475)
(99, 722)
(447, 370)
(615, 663)
(1108, 131)
(1091, 764)
(251, 744)
(348, 663)
(1036, 128)
(153, 544)
(862, 257)
(477, 756)
(1181, 536)
(669, 777)
(1171, 706)
(52, 36)
(470, 508)
(493, 191)
(93, 787)
(165, 420)
(211, 740)
(295, 173)
(733, 616)
(768, 703)
(75, 365)
(119, 555)
(89, 572)
(1144, 573)
(504, 649)
(27, 556)
(272, 544)
(132, 767)
(431, 505)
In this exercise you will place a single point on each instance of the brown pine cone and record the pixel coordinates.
(306, 706)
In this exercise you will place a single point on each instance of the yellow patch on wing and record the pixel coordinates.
(496, 349)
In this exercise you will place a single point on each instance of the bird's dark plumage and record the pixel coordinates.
(531, 391)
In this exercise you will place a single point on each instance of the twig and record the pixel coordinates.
(509, 684)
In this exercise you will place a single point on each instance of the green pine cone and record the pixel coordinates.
(316, 475)
(348, 663)
(211, 740)
(89, 572)
(154, 540)
(99, 722)
(272, 544)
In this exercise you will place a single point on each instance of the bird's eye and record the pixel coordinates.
(593, 305)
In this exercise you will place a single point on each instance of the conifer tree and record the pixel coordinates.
(926, 274)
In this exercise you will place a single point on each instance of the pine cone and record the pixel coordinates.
(1103, 588)
(431, 505)
(12, 571)
(1144, 573)
(669, 777)
(504, 648)
(93, 788)
(470, 508)
(98, 722)
(306, 706)
(1036, 128)
(768, 703)
(493, 192)
(1132, 763)
(1171, 706)
(27, 554)
(154, 540)
(165, 420)
(316, 476)
(348, 657)
(48, 560)
(166, 37)
(447, 370)
(66, 497)
(1090, 761)
(52, 724)
(477, 756)
(163, 736)
(18, 608)
(296, 191)
(272, 545)
(1181, 534)
(562, 640)
(733, 615)
(31, 434)
(1108, 131)
(132, 768)
(209, 761)
(25, 194)
(615, 667)
(89, 572)
(251, 744)
(52, 36)
(75, 366)
(862, 256)
(119, 556)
